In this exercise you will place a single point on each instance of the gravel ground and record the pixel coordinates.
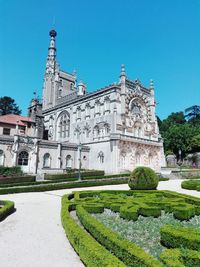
(33, 235)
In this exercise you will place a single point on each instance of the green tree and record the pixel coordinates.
(193, 115)
(196, 143)
(175, 118)
(8, 106)
(180, 136)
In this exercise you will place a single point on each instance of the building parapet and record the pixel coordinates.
(124, 137)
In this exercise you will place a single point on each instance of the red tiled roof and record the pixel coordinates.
(15, 119)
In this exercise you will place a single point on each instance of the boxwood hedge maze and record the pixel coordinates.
(133, 228)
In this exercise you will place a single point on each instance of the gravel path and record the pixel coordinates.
(33, 235)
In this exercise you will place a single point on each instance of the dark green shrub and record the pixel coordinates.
(10, 171)
(143, 178)
(177, 237)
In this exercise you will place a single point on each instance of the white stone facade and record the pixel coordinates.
(116, 127)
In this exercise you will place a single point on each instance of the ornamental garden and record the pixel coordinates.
(142, 226)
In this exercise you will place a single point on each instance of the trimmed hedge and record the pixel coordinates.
(17, 179)
(7, 208)
(90, 251)
(73, 175)
(191, 184)
(177, 237)
(143, 178)
(128, 252)
(180, 258)
(58, 186)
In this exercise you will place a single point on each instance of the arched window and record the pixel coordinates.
(46, 160)
(1, 158)
(71, 86)
(68, 162)
(101, 157)
(23, 158)
(63, 125)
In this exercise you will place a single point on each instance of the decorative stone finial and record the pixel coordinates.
(123, 73)
(151, 84)
(53, 33)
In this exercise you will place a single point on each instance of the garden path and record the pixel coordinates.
(33, 235)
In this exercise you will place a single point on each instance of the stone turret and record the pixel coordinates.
(51, 73)
(123, 87)
(35, 113)
(81, 89)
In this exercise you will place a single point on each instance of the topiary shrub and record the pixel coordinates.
(143, 178)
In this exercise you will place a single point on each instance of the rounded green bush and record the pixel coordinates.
(143, 178)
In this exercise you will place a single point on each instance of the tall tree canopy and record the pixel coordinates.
(8, 106)
(179, 133)
(193, 115)
(173, 119)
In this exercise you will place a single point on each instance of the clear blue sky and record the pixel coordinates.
(155, 39)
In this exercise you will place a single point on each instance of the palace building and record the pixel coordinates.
(113, 129)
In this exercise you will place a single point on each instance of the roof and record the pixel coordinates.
(15, 119)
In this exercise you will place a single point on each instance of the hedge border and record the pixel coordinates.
(177, 237)
(89, 250)
(7, 209)
(180, 258)
(59, 186)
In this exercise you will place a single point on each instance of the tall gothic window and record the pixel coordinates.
(63, 126)
(23, 158)
(46, 160)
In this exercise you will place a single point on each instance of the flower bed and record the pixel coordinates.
(132, 208)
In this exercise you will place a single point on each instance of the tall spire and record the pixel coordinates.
(51, 58)
(122, 73)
